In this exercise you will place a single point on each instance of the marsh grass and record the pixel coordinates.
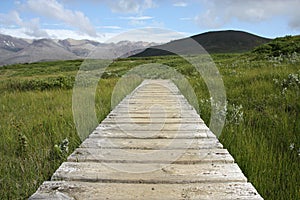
(36, 119)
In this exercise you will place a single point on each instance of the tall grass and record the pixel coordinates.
(37, 130)
(261, 139)
(31, 124)
(262, 124)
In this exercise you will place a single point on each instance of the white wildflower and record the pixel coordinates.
(292, 146)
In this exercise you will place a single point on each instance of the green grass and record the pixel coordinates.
(261, 130)
(35, 118)
(260, 141)
(42, 119)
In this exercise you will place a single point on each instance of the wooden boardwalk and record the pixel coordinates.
(153, 145)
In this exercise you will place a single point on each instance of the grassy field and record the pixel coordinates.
(262, 128)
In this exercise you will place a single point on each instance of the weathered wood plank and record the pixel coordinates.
(151, 156)
(153, 127)
(130, 191)
(186, 115)
(174, 112)
(149, 173)
(178, 121)
(151, 134)
(151, 144)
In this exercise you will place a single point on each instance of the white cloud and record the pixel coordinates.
(53, 9)
(109, 27)
(153, 35)
(30, 27)
(186, 18)
(157, 35)
(55, 34)
(210, 19)
(130, 6)
(180, 4)
(219, 13)
(295, 22)
(138, 18)
(64, 33)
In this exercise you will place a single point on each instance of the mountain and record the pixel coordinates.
(9, 45)
(14, 50)
(80, 48)
(213, 42)
(39, 50)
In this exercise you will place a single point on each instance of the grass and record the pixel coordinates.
(31, 124)
(261, 130)
(261, 137)
(35, 118)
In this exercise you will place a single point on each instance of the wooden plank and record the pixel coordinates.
(174, 112)
(151, 156)
(146, 134)
(148, 173)
(178, 121)
(153, 115)
(151, 144)
(154, 100)
(153, 127)
(159, 105)
(154, 106)
(130, 191)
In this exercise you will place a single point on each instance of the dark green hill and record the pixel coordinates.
(280, 46)
(213, 42)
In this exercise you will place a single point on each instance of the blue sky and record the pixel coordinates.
(102, 20)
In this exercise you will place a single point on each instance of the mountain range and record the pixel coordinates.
(16, 50)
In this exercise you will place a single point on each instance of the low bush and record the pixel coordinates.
(60, 82)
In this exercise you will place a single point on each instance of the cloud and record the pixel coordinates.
(180, 4)
(295, 22)
(110, 27)
(153, 35)
(218, 13)
(186, 18)
(30, 27)
(55, 10)
(130, 6)
(210, 19)
(55, 34)
(137, 20)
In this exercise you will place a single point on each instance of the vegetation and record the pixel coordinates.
(287, 46)
(37, 130)
(261, 130)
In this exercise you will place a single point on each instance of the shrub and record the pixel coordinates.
(60, 82)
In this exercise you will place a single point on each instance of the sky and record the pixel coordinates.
(111, 20)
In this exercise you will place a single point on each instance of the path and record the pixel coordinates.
(153, 145)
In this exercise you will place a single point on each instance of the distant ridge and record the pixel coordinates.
(15, 50)
(228, 41)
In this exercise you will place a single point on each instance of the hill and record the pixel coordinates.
(282, 46)
(213, 42)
